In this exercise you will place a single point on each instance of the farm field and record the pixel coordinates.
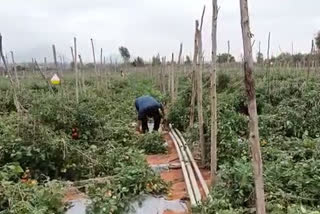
(37, 146)
(39, 154)
(159, 107)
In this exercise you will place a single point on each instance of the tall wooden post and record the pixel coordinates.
(101, 59)
(213, 89)
(15, 69)
(194, 76)
(199, 93)
(310, 58)
(180, 61)
(163, 71)
(76, 69)
(55, 57)
(228, 59)
(252, 109)
(82, 73)
(180, 54)
(172, 78)
(94, 58)
(4, 60)
(269, 63)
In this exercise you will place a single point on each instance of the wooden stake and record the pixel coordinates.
(172, 75)
(310, 58)
(55, 56)
(15, 69)
(82, 73)
(180, 53)
(163, 70)
(194, 76)
(45, 64)
(252, 109)
(199, 93)
(43, 75)
(101, 59)
(213, 89)
(228, 59)
(94, 58)
(76, 69)
(268, 65)
(15, 97)
(72, 54)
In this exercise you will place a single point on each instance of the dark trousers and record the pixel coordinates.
(156, 119)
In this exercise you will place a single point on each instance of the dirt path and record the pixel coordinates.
(178, 190)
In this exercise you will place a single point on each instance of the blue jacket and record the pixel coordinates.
(147, 106)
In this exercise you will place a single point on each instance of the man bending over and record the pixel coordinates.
(148, 107)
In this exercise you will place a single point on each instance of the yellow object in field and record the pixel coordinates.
(55, 80)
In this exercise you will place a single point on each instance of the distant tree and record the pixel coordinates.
(284, 57)
(125, 54)
(72, 65)
(138, 62)
(188, 61)
(223, 58)
(21, 68)
(298, 58)
(260, 58)
(89, 65)
(156, 60)
(317, 40)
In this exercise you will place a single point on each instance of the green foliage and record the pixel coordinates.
(317, 40)
(260, 58)
(42, 142)
(28, 198)
(20, 198)
(156, 60)
(289, 114)
(152, 143)
(138, 62)
(125, 54)
(223, 58)
(188, 61)
(129, 183)
(223, 82)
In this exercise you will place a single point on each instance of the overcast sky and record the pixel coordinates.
(148, 27)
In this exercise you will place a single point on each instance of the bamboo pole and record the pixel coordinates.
(194, 164)
(186, 160)
(185, 173)
(252, 109)
(213, 89)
